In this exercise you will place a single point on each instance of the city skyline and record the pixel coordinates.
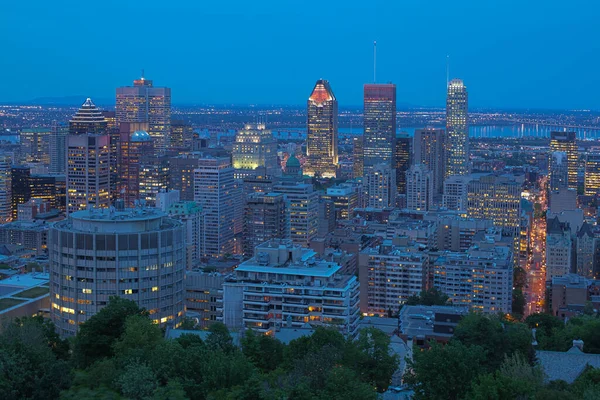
(501, 71)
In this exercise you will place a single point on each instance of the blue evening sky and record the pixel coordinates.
(510, 53)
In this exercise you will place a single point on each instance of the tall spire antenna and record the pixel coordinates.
(142, 73)
(447, 70)
(374, 61)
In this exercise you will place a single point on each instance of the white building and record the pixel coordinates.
(137, 254)
(389, 274)
(5, 190)
(456, 192)
(480, 278)
(285, 284)
(419, 188)
(255, 147)
(380, 187)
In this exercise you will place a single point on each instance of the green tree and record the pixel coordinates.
(431, 297)
(137, 381)
(376, 364)
(138, 340)
(97, 335)
(265, 352)
(188, 324)
(518, 303)
(219, 338)
(342, 384)
(444, 372)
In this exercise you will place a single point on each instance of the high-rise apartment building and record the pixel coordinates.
(5, 190)
(154, 178)
(255, 147)
(457, 129)
(558, 171)
(559, 245)
(419, 188)
(143, 102)
(88, 172)
(402, 160)
(380, 186)
(192, 217)
(56, 147)
(322, 134)
(182, 175)
(389, 274)
(456, 192)
(213, 191)
(379, 125)
(286, 285)
(88, 119)
(137, 254)
(303, 210)
(265, 218)
(567, 142)
(428, 146)
(497, 198)
(592, 174)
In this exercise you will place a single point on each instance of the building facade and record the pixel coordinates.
(322, 134)
(566, 142)
(428, 146)
(265, 218)
(419, 188)
(302, 209)
(457, 129)
(380, 187)
(379, 125)
(255, 147)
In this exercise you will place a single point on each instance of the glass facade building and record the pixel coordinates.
(457, 129)
(322, 135)
(379, 125)
(566, 142)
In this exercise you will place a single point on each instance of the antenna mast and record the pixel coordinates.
(374, 61)
(447, 70)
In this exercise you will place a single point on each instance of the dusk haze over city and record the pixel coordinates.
(384, 200)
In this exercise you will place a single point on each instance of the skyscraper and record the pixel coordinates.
(559, 171)
(88, 119)
(380, 186)
(143, 102)
(457, 129)
(358, 156)
(5, 190)
(429, 150)
(265, 218)
(182, 135)
(402, 160)
(592, 174)
(88, 160)
(255, 147)
(567, 142)
(419, 188)
(135, 144)
(58, 137)
(322, 134)
(379, 125)
(213, 191)
(303, 210)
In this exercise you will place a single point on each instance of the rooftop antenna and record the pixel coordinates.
(447, 70)
(374, 61)
(142, 73)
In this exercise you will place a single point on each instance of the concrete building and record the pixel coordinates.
(143, 102)
(455, 233)
(135, 146)
(456, 192)
(214, 192)
(567, 292)
(379, 125)
(481, 278)
(182, 135)
(380, 187)
(558, 171)
(425, 323)
(403, 159)
(566, 142)
(137, 254)
(429, 150)
(592, 174)
(419, 188)
(181, 178)
(192, 217)
(56, 147)
(558, 249)
(389, 274)
(586, 242)
(255, 147)
(314, 292)
(5, 190)
(27, 212)
(345, 200)
(562, 200)
(203, 296)
(303, 210)
(358, 156)
(24, 295)
(265, 218)
(32, 235)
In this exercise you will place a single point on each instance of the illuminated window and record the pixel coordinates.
(86, 291)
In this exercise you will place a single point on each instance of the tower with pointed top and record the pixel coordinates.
(457, 129)
(322, 133)
(88, 119)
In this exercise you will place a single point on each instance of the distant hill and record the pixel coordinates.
(74, 101)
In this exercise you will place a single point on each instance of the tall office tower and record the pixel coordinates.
(130, 253)
(192, 217)
(303, 210)
(56, 147)
(255, 147)
(566, 142)
(112, 129)
(419, 188)
(265, 218)
(5, 190)
(322, 135)
(135, 145)
(429, 150)
(358, 156)
(402, 160)
(345, 200)
(586, 250)
(25, 186)
(88, 119)
(182, 135)
(379, 125)
(497, 198)
(20, 184)
(143, 102)
(480, 278)
(88, 172)
(559, 246)
(35, 145)
(213, 191)
(389, 274)
(457, 129)
(319, 292)
(558, 169)
(380, 186)
(592, 174)
(154, 178)
(182, 175)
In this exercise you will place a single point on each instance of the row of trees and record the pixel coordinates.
(490, 357)
(120, 354)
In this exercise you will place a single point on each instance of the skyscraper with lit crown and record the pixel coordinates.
(255, 147)
(567, 142)
(88, 119)
(143, 102)
(457, 129)
(380, 125)
(322, 135)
